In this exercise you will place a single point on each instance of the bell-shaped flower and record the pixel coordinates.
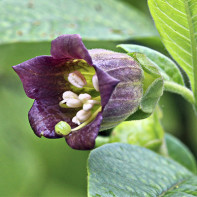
(79, 92)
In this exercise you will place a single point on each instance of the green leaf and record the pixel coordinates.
(127, 170)
(180, 153)
(165, 65)
(42, 21)
(147, 132)
(177, 25)
(152, 84)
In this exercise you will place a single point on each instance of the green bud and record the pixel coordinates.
(62, 128)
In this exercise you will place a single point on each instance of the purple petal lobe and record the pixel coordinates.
(45, 114)
(107, 84)
(70, 46)
(84, 139)
(42, 76)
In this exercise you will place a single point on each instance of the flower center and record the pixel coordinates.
(87, 106)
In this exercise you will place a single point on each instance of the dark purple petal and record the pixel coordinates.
(70, 46)
(84, 139)
(42, 76)
(45, 114)
(107, 84)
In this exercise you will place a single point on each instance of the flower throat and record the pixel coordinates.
(88, 107)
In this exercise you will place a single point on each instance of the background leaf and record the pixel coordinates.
(177, 25)
(126, 170)
(146, 133)
(180, 153)
(42, 21)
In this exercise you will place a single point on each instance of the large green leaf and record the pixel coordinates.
(126, 170)
(176, 22)
(180, 153)
(173, 79)
(43, 20)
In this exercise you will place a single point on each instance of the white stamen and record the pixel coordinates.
(93, 102)
(83, 115)
(77, 79)
(87, 106)
(84, 97)
(95, 82)
(69, 95)
(74, 103)
(76, 120)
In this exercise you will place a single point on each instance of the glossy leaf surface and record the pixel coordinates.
(126, 170)
(180, 153)
(176, 22)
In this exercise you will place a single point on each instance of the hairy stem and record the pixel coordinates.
(179, 89)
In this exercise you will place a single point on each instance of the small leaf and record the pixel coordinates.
(42, 21)
(165, 65)
(152, 85)
(180, 153)
(127, 170)
(177, 25)
(152, 95)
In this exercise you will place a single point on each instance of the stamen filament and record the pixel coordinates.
(98, 98)
(88, 85)
(88, 121)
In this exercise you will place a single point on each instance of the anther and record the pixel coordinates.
(68, 95)
(76, 120)
(74, 103)
(84, 97)
(77, 79)
(83, 115)
(87, 106)
(95, 82)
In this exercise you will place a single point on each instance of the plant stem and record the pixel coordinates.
(179, 89)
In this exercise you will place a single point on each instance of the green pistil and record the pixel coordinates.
(62, 128)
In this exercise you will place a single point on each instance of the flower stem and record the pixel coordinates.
(179, 89)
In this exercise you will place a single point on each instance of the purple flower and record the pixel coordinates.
(79, 90)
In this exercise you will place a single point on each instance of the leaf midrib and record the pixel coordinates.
(173, 187)
(193, 48)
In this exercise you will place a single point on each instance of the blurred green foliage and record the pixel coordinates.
(30, 166)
